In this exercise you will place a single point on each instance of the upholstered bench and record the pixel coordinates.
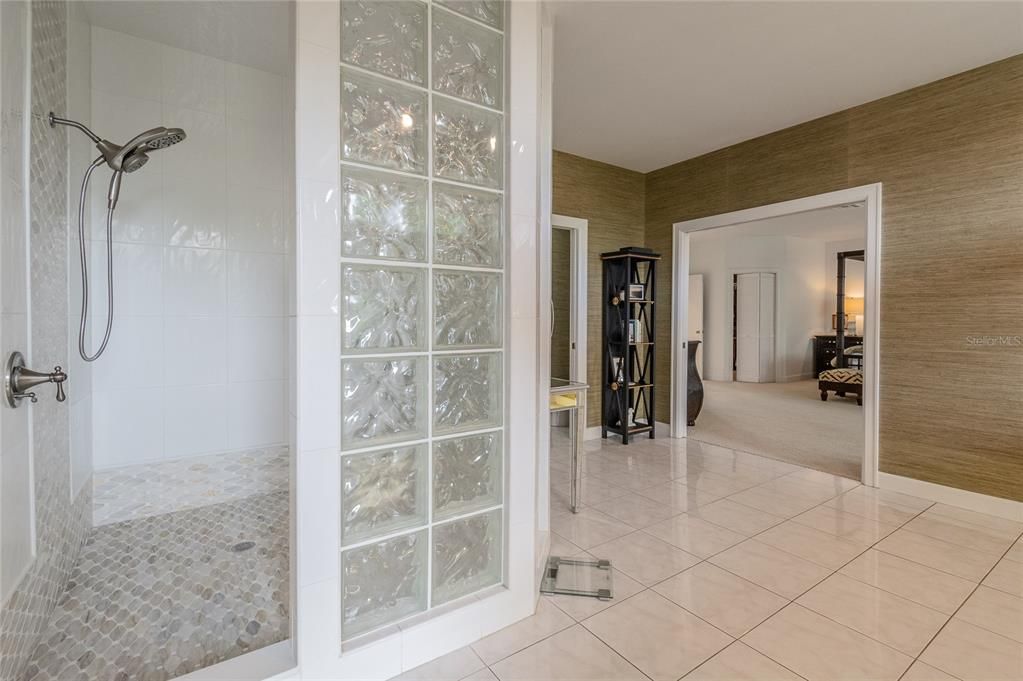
(841, 381)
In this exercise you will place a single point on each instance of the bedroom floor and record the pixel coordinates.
(731, 566)
(785, 421)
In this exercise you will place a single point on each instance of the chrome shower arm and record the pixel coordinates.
(56, 120)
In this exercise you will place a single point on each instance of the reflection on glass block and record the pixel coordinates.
(382, 583)
(488, 11)
(389, 37)
(468, 143)
(467, 392)
(466, 309)
(383, 401)
(466, 556)
(384, 215)
(382, 492)
(383, 308)
(466, 474)
(466, 226)
(382, 124)
(467, 60)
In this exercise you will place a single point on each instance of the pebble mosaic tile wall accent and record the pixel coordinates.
(157, 488)
(159, 597)
(61, 524)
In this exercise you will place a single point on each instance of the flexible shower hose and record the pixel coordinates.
(85, 269)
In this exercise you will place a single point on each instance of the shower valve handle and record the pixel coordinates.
(20, 380)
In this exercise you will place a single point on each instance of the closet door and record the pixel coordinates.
(754, 328)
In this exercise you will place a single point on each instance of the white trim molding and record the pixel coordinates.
(870, 196)
(972, 501)
(577, 229)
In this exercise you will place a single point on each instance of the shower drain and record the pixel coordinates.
(243, 546)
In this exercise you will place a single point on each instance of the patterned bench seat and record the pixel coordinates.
(841, 381)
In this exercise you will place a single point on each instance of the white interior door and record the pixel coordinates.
(17, 524)
(754, 312)
(696, 316)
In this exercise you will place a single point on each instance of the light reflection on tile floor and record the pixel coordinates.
(153, 598)
(775, 573)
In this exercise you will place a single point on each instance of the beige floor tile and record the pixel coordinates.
(801, 489)
(925, 672)
(771, 568)
(820, 478)
(736, 517)
(919, 583)
(995, 611)
(482, 675)
(677, 496)
(694, 535)
(548, 620)
(635, 510)
(941, 555)
(721, 484)
(727, 601)
(592, 491)
(953, 531)
(664, 641)
(1016, 552)
(877, 504)
(634, 482)
(883, 616)
(562, 547)
(646, 559)
(739, 662)
(580, 607)
(974, 654)
(853, 528)
(454, 666)
(773, 501)
(979, 519)
(819, 649)
(571, 655)
(588, 527)
(1006, 576)
(807, 542)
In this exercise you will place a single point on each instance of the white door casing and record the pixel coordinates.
(695, 326)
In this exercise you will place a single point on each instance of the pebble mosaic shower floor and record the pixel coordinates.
(154, 598)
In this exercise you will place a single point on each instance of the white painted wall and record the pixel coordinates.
(800, 291)
(198, 358)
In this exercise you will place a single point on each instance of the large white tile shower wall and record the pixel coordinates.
(197, 361)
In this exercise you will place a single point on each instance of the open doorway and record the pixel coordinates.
(781, 290)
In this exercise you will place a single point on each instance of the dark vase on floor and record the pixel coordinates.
(694, 386)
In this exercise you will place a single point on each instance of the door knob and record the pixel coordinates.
(18, 381)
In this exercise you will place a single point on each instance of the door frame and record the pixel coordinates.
(577, 229)
(871, 196)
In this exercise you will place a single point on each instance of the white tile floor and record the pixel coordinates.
(731, 566)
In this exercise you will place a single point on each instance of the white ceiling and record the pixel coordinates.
(248, 32)
(839, 223)
(643, 85)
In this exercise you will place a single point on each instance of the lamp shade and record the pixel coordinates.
(853, 306)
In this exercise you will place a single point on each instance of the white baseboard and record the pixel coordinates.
(972, 501)
(273, 663)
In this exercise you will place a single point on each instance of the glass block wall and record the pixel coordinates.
(422, 305)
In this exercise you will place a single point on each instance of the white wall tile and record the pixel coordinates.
(256, 283)
(195, 281)
(132, 358)
(254, 154)
(195, 419)
(139, 214)
(195, 212)
(128, 427)
(255, 96)
(122, 63)
(257, 349)
(119, 117)
(195, 350)
(255, 218)
(138, 282)
(318, 387)
(319, 276)
(202, 154)
(256, 414)
(193, 80)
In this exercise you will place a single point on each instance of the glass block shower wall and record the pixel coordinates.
(422, 305)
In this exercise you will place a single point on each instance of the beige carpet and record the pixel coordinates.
(786, 421)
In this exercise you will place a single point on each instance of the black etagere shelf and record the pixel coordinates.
(628, 346)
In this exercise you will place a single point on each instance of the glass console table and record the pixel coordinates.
(571, 396)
